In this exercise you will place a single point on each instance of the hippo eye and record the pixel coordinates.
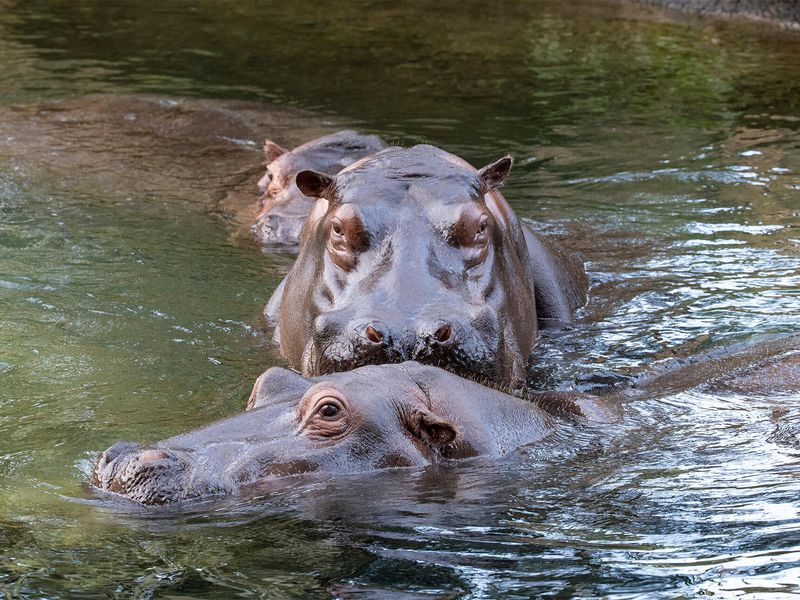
(347, 239)
(483, 225)
(325, 417)
(481, 238)
(329, 411)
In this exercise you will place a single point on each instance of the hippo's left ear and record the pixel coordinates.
(494, 175)
(276, 382)
(273, 151)
(313, 183)
(431, 429)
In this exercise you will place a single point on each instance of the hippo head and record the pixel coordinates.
(283, 206)
(410, 254)
(295, 425)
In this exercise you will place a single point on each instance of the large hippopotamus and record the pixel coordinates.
(413, 254)
(283, 208)
(371, 418)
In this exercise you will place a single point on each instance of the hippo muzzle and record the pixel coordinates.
(153, 475)
(343, 342)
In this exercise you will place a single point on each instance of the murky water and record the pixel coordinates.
(665, 149)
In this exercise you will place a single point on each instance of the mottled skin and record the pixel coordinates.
(283, 207)
(371, 418)
(413, 254)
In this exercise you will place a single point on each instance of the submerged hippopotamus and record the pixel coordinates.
(413, 254)
(371, 418)
(284, 208)
(405, 415)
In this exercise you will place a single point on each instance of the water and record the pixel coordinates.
(665, 149)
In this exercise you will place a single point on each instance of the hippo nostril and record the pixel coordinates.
(149, 456)
(118, 449)
(443, 334)
(373, 335)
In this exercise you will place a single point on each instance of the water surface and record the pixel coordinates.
(665, 149)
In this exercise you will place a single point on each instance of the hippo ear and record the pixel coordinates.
(273, 151)
(276, 382)
(313, 183)
(431, 429)
(494, 175)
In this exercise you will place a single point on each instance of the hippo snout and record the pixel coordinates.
(148, 476)
(414, 341)
(342, 344)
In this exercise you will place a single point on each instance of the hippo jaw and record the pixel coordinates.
(158, 476)
(283, 212)
(439, 319)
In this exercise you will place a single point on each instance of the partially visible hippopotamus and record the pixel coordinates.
(283, 207)
(371, 418)
(413, 254)
(785, 13)
(769, 368)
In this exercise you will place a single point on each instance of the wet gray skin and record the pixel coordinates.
(283, 207)
(372, 418)
(785, 13)
(413, 254)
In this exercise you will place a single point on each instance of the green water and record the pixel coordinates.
(665, 149)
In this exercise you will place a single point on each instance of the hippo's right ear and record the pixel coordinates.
(494, 175)
(313, 183)
(432, 429)
(273, 151)
(276, 382)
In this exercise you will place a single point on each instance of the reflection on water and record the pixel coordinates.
(668, 154)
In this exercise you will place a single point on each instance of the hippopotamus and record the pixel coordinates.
(406, 415)
(374, 417)
(413, 254)
(283, 208)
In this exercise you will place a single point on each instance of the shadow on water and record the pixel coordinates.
(664, 149)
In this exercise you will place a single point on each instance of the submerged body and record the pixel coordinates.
(283, 208)
(371, 418)
(785, 13)
(413, 254)
(769, 368)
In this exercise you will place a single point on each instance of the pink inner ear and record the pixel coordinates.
(149, 456)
